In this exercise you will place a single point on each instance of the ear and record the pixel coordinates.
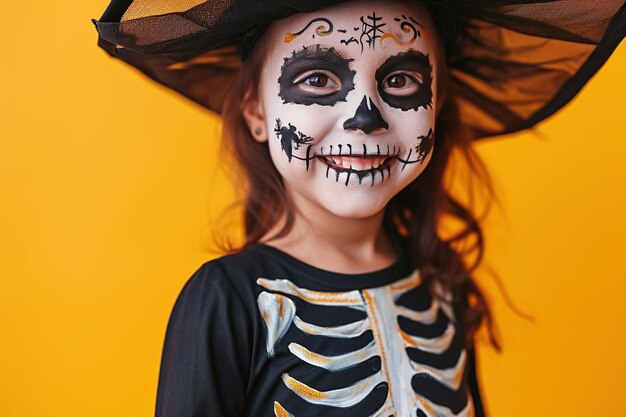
(254, 115)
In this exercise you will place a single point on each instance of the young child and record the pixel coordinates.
(344, 299)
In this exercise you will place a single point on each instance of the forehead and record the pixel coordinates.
(365, 31)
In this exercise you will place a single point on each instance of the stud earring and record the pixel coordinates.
(257, 131)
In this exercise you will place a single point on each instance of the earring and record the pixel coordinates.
(257, 131)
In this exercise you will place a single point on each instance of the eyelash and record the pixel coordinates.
(307, 75)
(410, 75)
(405, 90)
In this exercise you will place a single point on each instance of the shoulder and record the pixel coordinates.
(236, 269)
(230, 278)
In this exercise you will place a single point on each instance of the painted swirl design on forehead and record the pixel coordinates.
(320, 30)
(407, 25)
(312, 58)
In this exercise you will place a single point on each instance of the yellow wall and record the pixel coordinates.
(108, 190)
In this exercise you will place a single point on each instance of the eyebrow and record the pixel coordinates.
(317, 52)
(411, 59)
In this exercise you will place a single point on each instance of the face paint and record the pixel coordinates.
(371, 30)
(366, 118)
(349, 40)
(360, 166)
(315, 66)
(401, 66)
(291, 138)
(321, 30)
(360, 174)
(422, 150)
(425, 145)
(342, 113)
(407, 25)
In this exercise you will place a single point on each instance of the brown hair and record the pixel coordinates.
(414, 214)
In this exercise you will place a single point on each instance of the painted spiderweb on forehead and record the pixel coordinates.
(511, 65)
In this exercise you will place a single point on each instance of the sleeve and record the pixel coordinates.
(207, 350)
(473, 384)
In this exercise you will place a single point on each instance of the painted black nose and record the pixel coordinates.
(366, 118)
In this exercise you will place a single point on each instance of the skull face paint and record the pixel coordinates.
(319, 66)
(350, 94)
(420, 94)
(366, 118)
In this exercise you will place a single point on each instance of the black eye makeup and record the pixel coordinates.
(315, 75)
(405, 81)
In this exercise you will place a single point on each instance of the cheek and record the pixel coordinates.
(409, 125)
(313, 120)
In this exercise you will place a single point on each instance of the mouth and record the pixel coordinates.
(359, 163)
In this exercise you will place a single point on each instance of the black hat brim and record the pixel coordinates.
(512, 63)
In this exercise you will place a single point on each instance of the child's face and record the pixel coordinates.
(348, 98)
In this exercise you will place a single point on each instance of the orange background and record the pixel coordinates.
(109, 189)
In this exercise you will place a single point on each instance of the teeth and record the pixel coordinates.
(359, 166)
(357, 163)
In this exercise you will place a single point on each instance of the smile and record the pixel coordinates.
(357, 163)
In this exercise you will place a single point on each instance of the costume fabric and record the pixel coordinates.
(261, 333)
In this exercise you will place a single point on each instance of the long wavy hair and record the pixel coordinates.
(415, 214)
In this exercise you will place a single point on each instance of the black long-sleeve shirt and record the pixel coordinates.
(260, 333)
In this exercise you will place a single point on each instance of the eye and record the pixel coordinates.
(318, 82)
(402, 83)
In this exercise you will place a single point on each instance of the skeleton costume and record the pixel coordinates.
(261, 333)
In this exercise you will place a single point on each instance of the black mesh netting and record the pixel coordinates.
(512, 63)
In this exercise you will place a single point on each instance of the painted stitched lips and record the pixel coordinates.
(360, 165)
(342, 160)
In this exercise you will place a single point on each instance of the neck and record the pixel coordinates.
(340, 244)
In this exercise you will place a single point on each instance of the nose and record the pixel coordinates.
(366, 118)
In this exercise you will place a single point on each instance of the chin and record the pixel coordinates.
(355, 207)
(326, 188)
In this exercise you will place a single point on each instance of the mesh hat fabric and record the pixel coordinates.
(511, 64)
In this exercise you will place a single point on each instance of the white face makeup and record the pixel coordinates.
(349, 97)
